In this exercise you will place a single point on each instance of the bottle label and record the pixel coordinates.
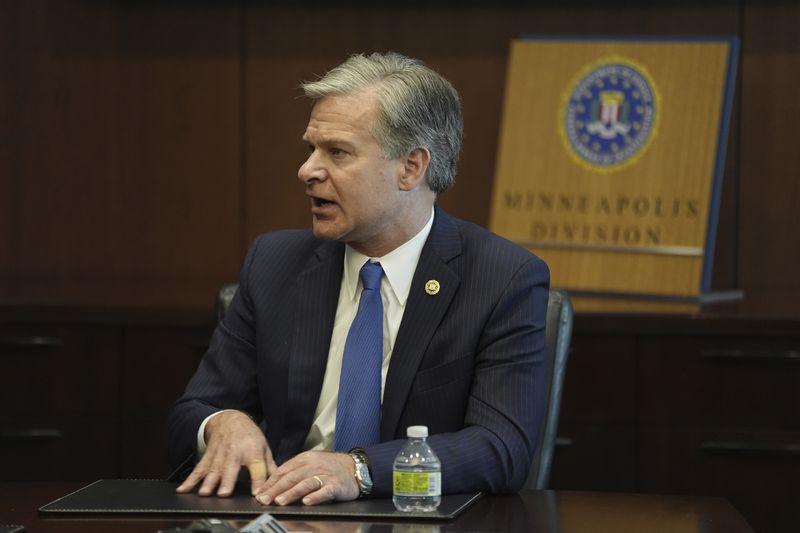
(417, 483)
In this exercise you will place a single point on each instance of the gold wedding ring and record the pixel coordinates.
(258, 468)
(319, 480)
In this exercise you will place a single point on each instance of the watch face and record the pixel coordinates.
(362, 471)
(364, 479)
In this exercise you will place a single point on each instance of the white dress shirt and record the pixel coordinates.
(399, 266)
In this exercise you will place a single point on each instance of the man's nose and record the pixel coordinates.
(311, 170)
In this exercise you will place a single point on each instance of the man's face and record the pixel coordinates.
(354, 190)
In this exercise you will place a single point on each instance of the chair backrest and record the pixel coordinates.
(224, 299)
(558, 333)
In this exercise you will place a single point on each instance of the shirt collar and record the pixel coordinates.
(398, 265)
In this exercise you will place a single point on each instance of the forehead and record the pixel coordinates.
(347, 117)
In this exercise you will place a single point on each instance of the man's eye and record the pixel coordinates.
(337, 152)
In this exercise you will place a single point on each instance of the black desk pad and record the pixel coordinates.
(147, 496)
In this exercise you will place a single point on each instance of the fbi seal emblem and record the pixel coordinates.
(609, 115)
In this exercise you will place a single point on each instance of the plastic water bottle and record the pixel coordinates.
(417, 477)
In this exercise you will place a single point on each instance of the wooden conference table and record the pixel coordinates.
(528, 511)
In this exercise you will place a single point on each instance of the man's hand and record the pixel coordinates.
(233, 441)
(316, 477)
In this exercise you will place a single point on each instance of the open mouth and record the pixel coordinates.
(320, 202)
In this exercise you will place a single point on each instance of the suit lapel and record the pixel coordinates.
(421, 318)
(317, 295)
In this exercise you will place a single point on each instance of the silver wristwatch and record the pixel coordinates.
(362, 471)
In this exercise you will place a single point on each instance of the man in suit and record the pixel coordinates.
(463, 315)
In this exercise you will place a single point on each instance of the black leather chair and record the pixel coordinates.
(224, 298)
(558, 335)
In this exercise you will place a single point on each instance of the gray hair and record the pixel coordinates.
(416, 108)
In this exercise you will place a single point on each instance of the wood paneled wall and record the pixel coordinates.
(144, 144)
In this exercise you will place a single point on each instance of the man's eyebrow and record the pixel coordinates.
(327, 141)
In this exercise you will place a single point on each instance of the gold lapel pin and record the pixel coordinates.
(432, 287)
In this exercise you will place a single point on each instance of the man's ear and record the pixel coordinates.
(415, 164)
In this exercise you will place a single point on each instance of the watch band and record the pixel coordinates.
(362, 473)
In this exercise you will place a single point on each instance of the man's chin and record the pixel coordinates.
(325, 232)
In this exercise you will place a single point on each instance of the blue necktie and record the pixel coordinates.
(358, 408)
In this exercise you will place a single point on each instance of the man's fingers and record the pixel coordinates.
(258, 469)
(194, 477)
(210, 483)
(230, 473)
(233, 441)
(258, 475)
(319, 491)
(325, 494)
(189, 483)
(282, 480)
(314, 477)
(271, 466)
(304, 488)
(261, 470)
(210, 470)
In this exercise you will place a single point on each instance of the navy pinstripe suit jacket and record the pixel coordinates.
(467, 362)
